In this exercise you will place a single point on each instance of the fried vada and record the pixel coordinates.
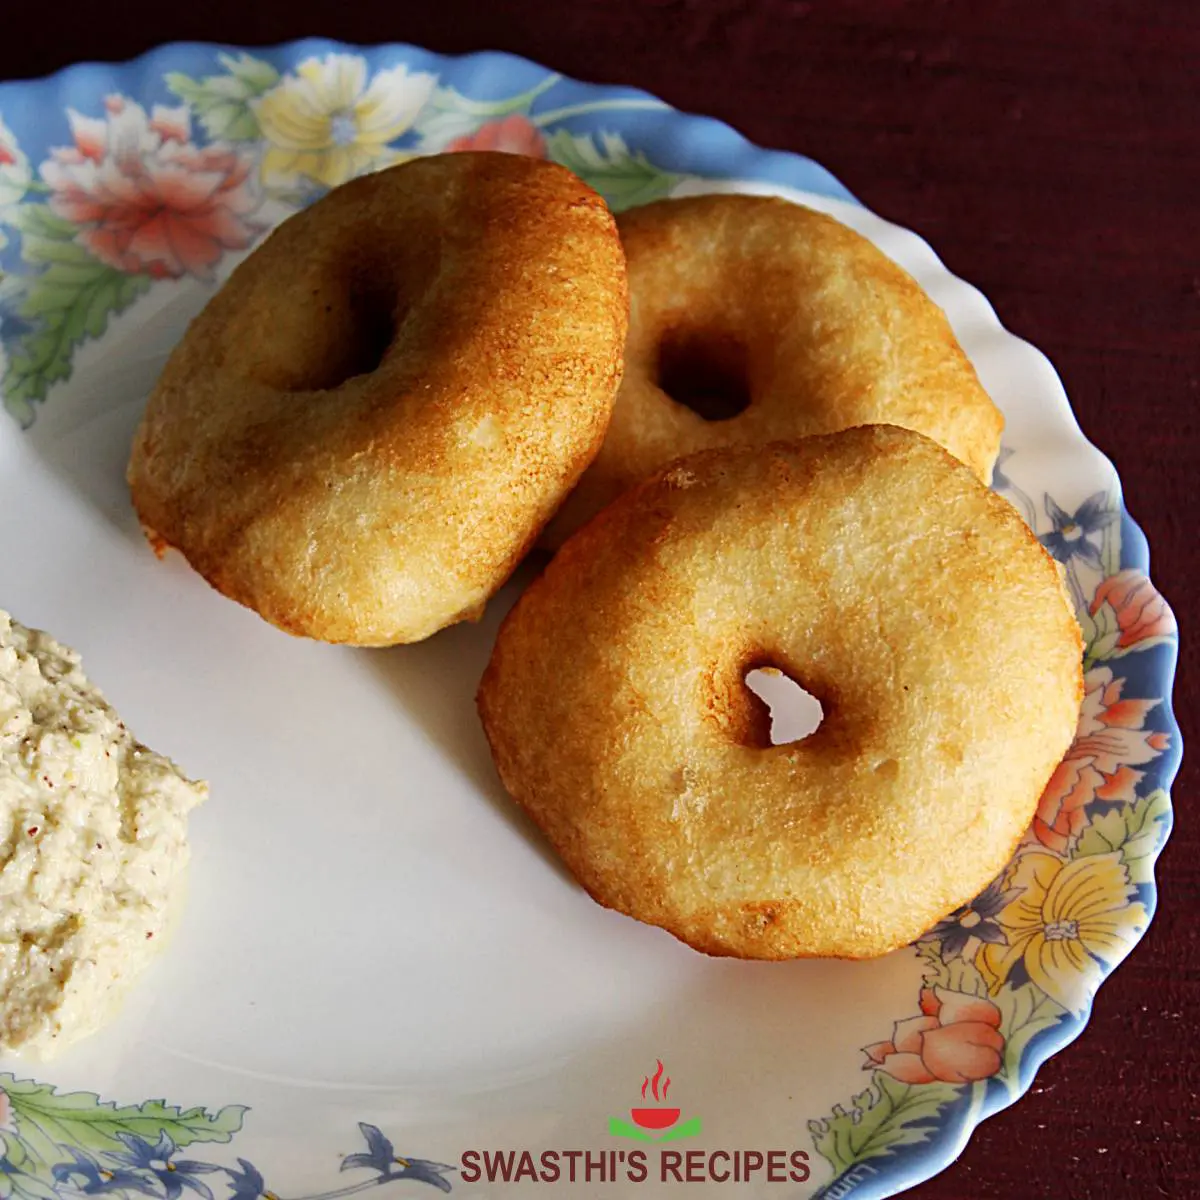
(753, 320)
(876, 571)
(369, 424)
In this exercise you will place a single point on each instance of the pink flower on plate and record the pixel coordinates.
(512, 135)
(957, 1039)
(1110, 742)
(145, 199)
(14, 171)
(1142, 614)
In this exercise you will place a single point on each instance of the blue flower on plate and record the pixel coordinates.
(86, 1176)
(974, 920)
(248, 1183)
(380, 1155)
(159, 1160)
(1069, 537)
(1000, 479)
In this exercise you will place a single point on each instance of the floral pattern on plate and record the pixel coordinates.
(142, 195)
(74, 1144)
(1026, 956)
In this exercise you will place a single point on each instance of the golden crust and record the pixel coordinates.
(872, 568)
(827, 331)
(366, 428)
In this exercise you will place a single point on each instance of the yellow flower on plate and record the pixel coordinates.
(1065, 917)
(327, 124)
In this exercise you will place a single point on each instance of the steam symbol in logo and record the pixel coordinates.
(656, 1122)
(655, 1118)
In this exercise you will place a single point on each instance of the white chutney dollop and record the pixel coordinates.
(93, 847)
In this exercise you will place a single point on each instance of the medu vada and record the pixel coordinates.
(874, 570)
(369, 424)
(754, 319)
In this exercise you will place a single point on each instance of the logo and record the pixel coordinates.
(652, 1119)
(655, 1122)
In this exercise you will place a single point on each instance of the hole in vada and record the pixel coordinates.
(361, 339)
(795, 713)
(705, 372)
(340, 331)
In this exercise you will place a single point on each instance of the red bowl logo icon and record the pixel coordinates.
(654, 1118)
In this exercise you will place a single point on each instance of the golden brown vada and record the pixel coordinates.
(753, 320)
(366, 428)
(877, 572)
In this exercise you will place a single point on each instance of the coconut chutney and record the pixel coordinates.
(93, 846)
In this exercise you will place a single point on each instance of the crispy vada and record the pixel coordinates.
(753, 320)
(369, 424)
(876, 571)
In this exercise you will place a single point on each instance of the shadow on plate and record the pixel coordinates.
(435, 682)
(83, 433)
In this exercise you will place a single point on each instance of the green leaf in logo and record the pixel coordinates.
(619, 1128)
(689, 1128)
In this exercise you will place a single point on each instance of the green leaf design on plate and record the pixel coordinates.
(23, 1176)
(623, 177)
(43, 234)
(929, 951)
(962, 975)
(26, 1187)
(1100, 634)
(448, 114)
(1024, 1012)
(223, 102)
(885, 1116)
(47, 1120)
(66, 303)
(955, 975)
(1136, 830)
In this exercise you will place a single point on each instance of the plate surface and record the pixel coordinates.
(382, 977)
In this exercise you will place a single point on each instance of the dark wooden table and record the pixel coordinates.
(1050, 152)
